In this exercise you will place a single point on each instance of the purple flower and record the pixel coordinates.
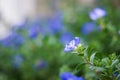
(69, 76)
(17, 60)
(97, 13)
(89, 27)
(72, 44)
(66, 37)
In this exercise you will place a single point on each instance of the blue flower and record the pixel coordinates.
(14, 40)
(69, 76)
(40, 65)
(66, 37)
(89, 27)
(97, 13)
(33, 32)
(18, 41)
(55, 23)
(72, 44)
(17, 60)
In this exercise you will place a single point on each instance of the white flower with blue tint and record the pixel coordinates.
(97, 13)
(72, 44)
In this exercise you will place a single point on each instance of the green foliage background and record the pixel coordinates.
(49, 48)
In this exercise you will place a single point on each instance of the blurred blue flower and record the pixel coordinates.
(33, 32)
(115, 73)
(69, 76)
(17, 61)
(41, 64)
(97, 13)
(14, 40)
(119, 32)
(55, 23)
(66, 37)
(89, 27)
(72, 44)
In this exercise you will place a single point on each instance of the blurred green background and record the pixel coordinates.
(33, 34)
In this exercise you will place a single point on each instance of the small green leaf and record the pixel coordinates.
(114, 62)
(64, 68)
(97, 69)
(105, 61)
(80, 66)
(86, 53)
(92, 57)
(118, 77)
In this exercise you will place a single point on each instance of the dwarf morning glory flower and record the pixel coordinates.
(66, 37)
(14, 40)
(89, 27)
(72, 44)
(55, 23)
(69, 76)
(18, 41)
(33, 32)
(77, 40)
(97, 13)
(115, 75)
(17, 60)
(40, 64)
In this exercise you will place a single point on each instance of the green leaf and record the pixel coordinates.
(92, 57)
(118, 77)
(64, 68)
(97, 69)
(105, 61)
(80, 66)
(86, 53)
(114, 62)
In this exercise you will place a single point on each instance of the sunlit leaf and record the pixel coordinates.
(92, 57)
